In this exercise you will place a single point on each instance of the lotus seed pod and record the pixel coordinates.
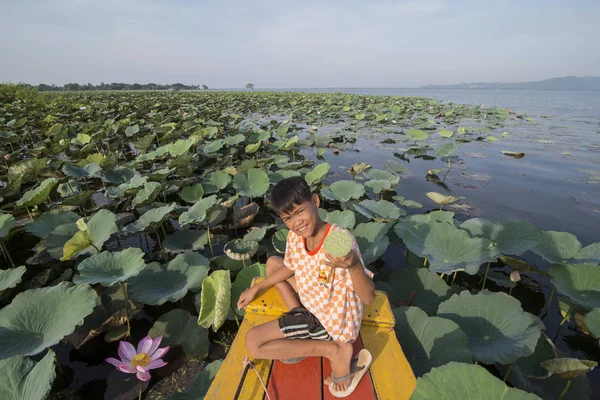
(338, 244)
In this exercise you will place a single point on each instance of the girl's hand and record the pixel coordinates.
(348, 261)
(246, 297)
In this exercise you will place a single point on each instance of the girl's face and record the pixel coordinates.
(304, 218)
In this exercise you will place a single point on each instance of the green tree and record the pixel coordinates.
(250, 86)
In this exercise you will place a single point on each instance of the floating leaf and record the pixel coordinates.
(317, 174)
(150, 220)
(193, 193)
(10, 278)
(40, 318)
(239, 249)
(412, 221)
(441, 199)
(185, 240)
(215, 300)
(465, 381)
(514, 154)
(215, 181)
(372, 240)
(243, 281)
(256, 235)
(157, 284)
(23, 378)
(379, 210)
(563, 247)
(343, 191)
(509, 236)
(38, 194)
(498, 329)
(344, 219)
(429, 290)
(416, 134)
(179, 327)
(580, 282)
(108, 268)
(445, 134)
(252, 183)
(147, 194)
(429, 342)
(198, 212)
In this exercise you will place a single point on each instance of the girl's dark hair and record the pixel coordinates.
(288, 193)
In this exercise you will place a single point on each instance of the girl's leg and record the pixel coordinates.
(287, 289)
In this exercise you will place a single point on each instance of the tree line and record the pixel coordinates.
(118, 86)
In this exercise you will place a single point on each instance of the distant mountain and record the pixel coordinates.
(564, 83)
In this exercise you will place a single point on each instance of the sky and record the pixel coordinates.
(302, 44)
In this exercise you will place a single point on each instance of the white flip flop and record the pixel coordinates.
(357, 371)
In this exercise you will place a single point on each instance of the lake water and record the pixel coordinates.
(556, 186)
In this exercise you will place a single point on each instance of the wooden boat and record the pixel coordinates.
(390, 375)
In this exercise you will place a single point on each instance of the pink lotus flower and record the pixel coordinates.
(147, 357)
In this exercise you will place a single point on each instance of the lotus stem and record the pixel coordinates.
(94, 246)
(118, 241)
(6, 253)
(293, 156)
(453, 278)
(147, 244)
(244, 262)
(160, 245)
(485, 276)
(163, 229)
(212, 254)
(507, 372)
(564, 391)
(442, 276)
(235, 316)
(141, 390)
(441, 207)
(28, 213)
(551, 295)
(512, 285)
(425, 261)
(126, 308)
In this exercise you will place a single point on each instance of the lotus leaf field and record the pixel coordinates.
(133, 214)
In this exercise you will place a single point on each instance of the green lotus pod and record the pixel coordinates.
(338, 243)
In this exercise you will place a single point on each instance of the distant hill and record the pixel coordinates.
(564, 83)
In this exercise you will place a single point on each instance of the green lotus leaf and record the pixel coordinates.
(69, 188)
(13, 187)
(40, 318)
(579, 282)
(252, 147)
(132, 130)
(447, 149)
(530, 365)
(200, 385)
(465, 381)
(338, 244)
(343, 191)
(381, 175)
(243, 281)
(38, 194)
(193, 193)
(23, 378)
(215, 181)
(442, 199)
(235, 139)
(252, 183)
(429, 342)
(396, 167)
(372, 240)
(256, 235)
(75, 172)
(498, 329)
(11, 277)
(239, 249)
(215, 300)
(147, 194)
(344, 219)
(57, 238)
(359, 168)
(179, 327)
(416, 134)
(279, 240)
(185, 240)
(445, 134)
(93, 170)
(379, 210)
(407, 203)
(216, 215)
(563, 247)
(225, 262)
(592, 322)
(317, 174)
(282, 174)
(429, 290)
(448, 248)
(181, 147)
(289, 144)
(108, 268)
(27, 170)
(212, 147)
(78, 199)
(150, 220)
(412, 221)
(7, 221)
(119, 175)
(198, 212)
(99, 228)
(157, 284)
(509, 236)
(568, 368)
